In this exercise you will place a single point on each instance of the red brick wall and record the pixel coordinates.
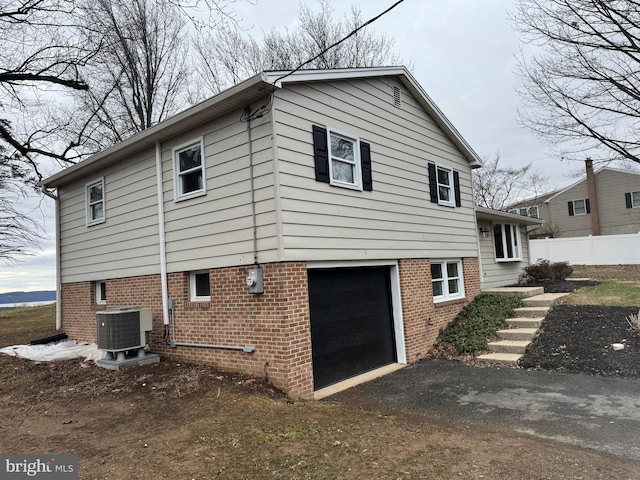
(423, 319)
(276, 323)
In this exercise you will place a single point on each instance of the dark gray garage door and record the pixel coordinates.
(351, 322)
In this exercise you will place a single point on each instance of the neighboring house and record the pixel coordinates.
(503, 245)
(344, 196)
(610, 207)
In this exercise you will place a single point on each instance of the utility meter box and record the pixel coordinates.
(255, 281)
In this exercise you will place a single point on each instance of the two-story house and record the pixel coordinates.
(604, 202)
(305, 226)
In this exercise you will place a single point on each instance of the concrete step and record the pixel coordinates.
(509, 346)
(532, 312)
(506, 358)
(522, 292)
(517, 333)
(543, 300)
(525, 322)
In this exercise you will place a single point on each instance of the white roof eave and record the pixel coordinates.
(235, 97)
(241, 95)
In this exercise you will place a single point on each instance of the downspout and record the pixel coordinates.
(161, 236)
(58, 263)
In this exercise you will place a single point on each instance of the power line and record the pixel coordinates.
(368, 22)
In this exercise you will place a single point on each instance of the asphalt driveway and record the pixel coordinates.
(593, 412)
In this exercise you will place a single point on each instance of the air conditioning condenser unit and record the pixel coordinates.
(124, 329)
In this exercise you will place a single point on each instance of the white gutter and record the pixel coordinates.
(161, 236)
(58, 273)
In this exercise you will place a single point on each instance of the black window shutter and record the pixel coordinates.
(570, 209)
(627, 199)
(321, 154)
(456, 188)
(433, 183)
(365, 159)
(587, 206)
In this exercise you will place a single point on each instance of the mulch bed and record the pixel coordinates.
(561, 286)
(578, 339)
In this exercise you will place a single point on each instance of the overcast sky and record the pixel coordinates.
(462, 52)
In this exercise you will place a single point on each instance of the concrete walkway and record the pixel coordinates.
(593, 412)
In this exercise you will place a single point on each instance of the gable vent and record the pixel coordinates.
(397, 99)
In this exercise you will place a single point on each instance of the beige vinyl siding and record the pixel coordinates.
(127, 242)
(615, 217)
(395, 220)
(577, 225)
(499, 274)
(216, 229)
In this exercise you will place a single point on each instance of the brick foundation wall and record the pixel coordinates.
(423, 319)
(276, 323)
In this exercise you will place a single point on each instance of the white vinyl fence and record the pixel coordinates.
(591, 250)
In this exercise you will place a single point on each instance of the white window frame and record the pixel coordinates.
(89, 204)
(635, 204)
(177, 174)
(357, 162)
(584, 203)
(452, 193)
(192, 287)
(527, 211)
(446, 295)
(100, 299)
(516, 242)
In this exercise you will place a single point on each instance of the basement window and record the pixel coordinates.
(446, 280)
(199, 287)
(101, 292)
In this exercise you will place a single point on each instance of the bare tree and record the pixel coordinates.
(498, 187)
(546, 230)
(39, 55)
(582, 91)
(138, 76)
(227, 56)
(19, 232)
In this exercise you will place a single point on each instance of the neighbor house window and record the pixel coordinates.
(199, 287)
(526, 211)
(579, 207)
(506, 238)
(95, 202)
(101, 292)
(632, 199)
(446, 280)
(189, 170)
(344, 161)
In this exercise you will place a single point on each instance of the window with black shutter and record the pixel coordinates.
(342, 160)
(444, 185)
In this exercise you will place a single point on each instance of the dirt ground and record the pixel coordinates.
(192, 422)
(622, 273)
(182, 421)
